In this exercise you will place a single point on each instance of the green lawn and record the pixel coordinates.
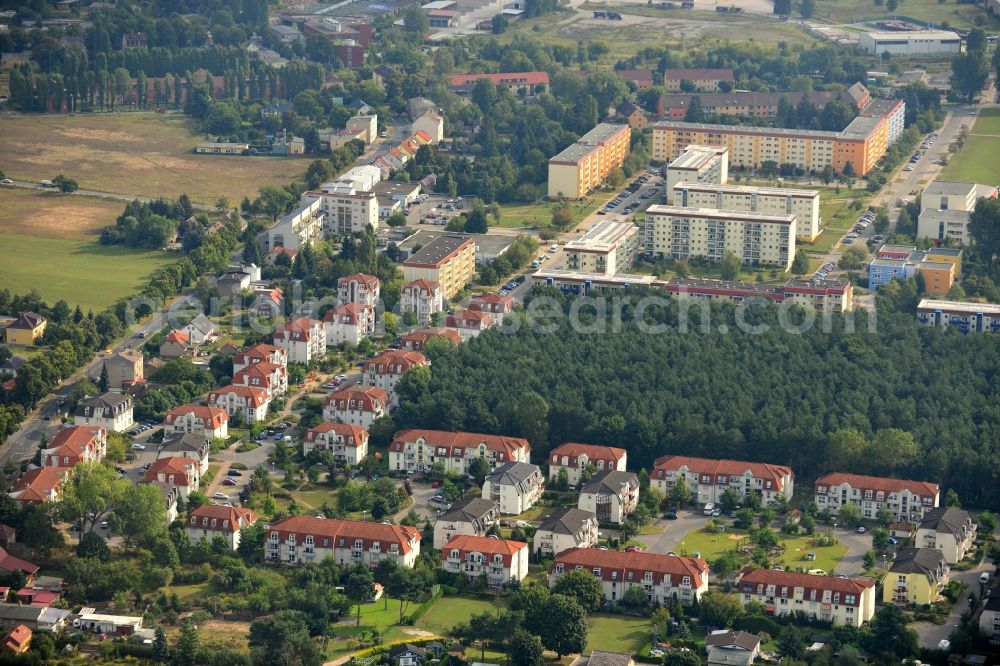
(838, 219)
(930, 11)
(711, 546)
(82, 273)
(988, 122)
(449, 611)
(979, 159)
(517, 216)
(618, 633)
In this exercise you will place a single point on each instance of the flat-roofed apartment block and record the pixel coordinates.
(300, 227)
(449, 260)
(350, 203)
(803, 204)
(708, 479)
(609, 247)
(757, 239)
(698, 164)
(905, 500)
(965, 317)
(849, 601)
(945, 208)
(584, 166)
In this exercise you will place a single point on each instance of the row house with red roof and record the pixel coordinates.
(907, 501)
(209, 422)
(209, 521)
(303, 339)
(499, 561)
(176, 344)
(495, 304)
(175, 472)
(384, 370)
(575, 458)
(304, 539)
(529, 82)
(660, 577)
(356, 405)
(359, 288)
(348, 443)
(708, 478)
(417, 340)
(423, 298)
(469, 323)
(248, 402)
(417, 450)
(72, 446)
(38, 486)
(847, 601)
(260, 353)
(271, 377)
(349, 323)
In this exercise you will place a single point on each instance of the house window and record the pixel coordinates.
(454, 553)
(597, 571)
(559, 568)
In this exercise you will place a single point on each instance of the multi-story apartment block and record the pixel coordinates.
(847, 601)
(697, 164)
(499, 561)
(303, 339)
(72, 446)
(359, 288)
(948, 530)
(349, 323)
(125, 368)
(347, 443)
(915, 577)
(907, 501)
(250, 403)
(803, 204)
(111, 411)
(418, 450)
(209, 521)
(611, 495)
(175, 472)
(470, 517)
(966, 317)
(575, 458)
(449, 260)
(515, 486)
(385, 369)
(608, 247)
(469, 323)
(707, 479)
(584, 166)
(304, 539)
(271, 377)
(260, 353)
(423, 298)
(349, 204)
(495, 304)
(566, 528)
(945, 208)
(356, 405)
(209, 422)
(530, 82)
(660, 577)
(417, 340)
(938, 267)
(703, 80)
(742, 104)
(756, 239)
(300, 227)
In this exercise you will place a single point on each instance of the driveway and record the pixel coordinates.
(929, 635)
(674, 531)
(857, 545)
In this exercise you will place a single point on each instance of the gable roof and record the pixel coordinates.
(733, 639)
(457, 442)
(367, 395)
(639, 75)
(469, 510)
(130, 356)
(213, 417)
(37, 485)
(251, 395)
(876, 483)
(609, 481)
(925, 561)
(182, 469)
(107, 401)
(369, 281)
(626, 109)
(352, 435)
(601, 658)
(750, 577)
(302, 326)
(512, 473)
(615, 565)
(948, 520)
(696, 74)
(76, 439)
(485, 545)
(353, 529)
(568, 520)
(422, 335)
(505, 78)
(202, 324)
(423, 285)
(27, 321)
(711, 467)
(574, 450)
(227, 518)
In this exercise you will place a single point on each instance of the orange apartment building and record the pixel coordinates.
(584, 166)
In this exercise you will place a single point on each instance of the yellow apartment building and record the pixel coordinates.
(584, 166)
(24, 330)
(915, 577)
(449, 259)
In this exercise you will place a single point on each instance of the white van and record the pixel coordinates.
(984, 577)
(709, 508)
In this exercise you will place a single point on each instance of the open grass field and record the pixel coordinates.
(838, 219)
(712, 545)
(618, 633)
(81, 272)
(929, 11)
(146, 154)
(516, 216)
(52, 215)
(449, 611)
(988, 123)
(979, 159)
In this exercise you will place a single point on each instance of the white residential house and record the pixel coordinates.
(417, 450)
(304, 539)
(906, 500)
(611, 495)
(200, 330)
(575, 458)
(75, 445)
(209, 422)
(356, 405)
(732, 648)
(660, 577)
(470, 517)
(191, 446)
(849, 601)
(515, 486)
(469, 323)
(707, 478)
(949, 530)
(359, 288)
(259, 353)
(249, 402)
(423, 298)
(271, 377)
(111, 411)
(349, 323)
(210, 521)
(385, 369)
(177, 472)
(303, 339)
(499, 561)
(565, 528)
(347, 443)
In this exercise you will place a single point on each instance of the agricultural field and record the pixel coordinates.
(48, 214)
(145, 154)
(979, 159)
(961, 16)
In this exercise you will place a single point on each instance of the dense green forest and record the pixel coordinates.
(901, 399)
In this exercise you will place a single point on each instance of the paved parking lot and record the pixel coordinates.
(674, 531)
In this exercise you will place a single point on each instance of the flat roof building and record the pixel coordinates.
(698, 164)
(583, 166)
(911, 43)
(945, 207)
(449, 259)
(608, 247)
(963, 316)
(804, 204)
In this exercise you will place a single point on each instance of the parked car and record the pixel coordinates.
(861, 530)
(220, 496)
(228, 481)
(138, 447)
(234, 472)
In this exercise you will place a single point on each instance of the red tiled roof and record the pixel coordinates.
(350, 435)
(251, 395)
(457, 442)
(260, 351)
(352, 311)
(227, 518)
(423, 285)
(176, 465)
(75, 440)
(36, 485)
(28, 321)
(593, 452)
(180, 337)
(422, 335)
(369, 281)
(10, 563)
(506, 78)
(791, 580)
(367, 397)
(613, 562)
(302, 326)
(477, 302)
(714, 468)
(348, 529)
(211, 417)
(877, 483)
(395, 362)
(485, 545)
(476, 319)
(264, 370)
